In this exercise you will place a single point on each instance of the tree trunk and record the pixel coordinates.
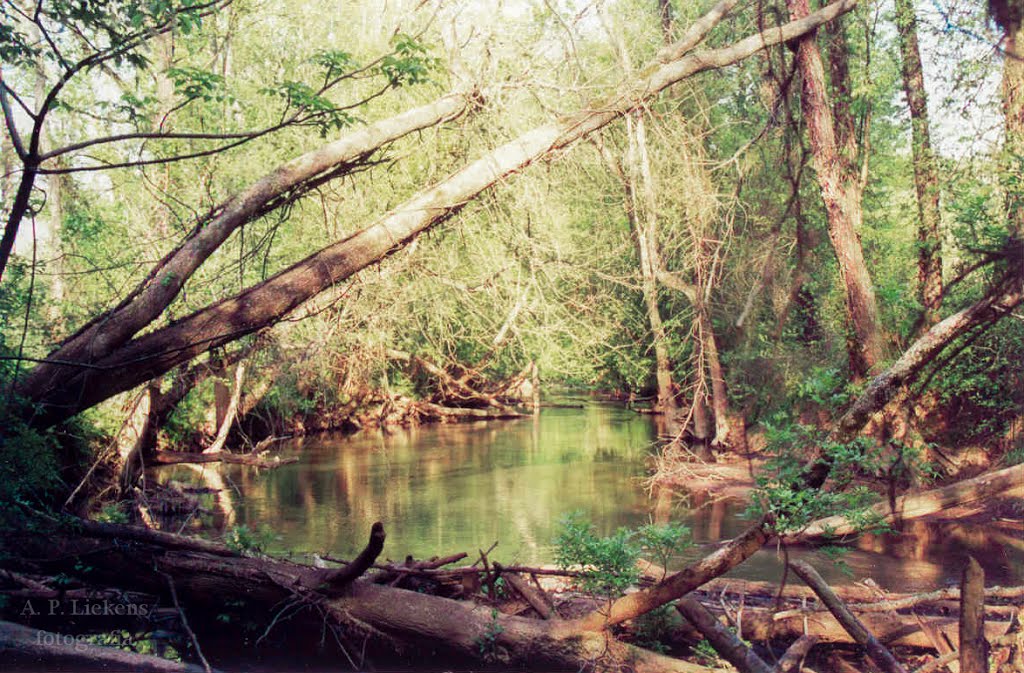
(679, 584)
(645, 229)
(23, 648)
(973, 645)
(1008, 481)
(724, 432)
(860, 634)
(1008, 15)
(231, 413)
(841, 192)
(725, 642)
(61, 390)
(107, 332)
(209, 578)
(926, 179)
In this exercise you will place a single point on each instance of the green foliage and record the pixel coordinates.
(198, 83)
(318, 111)
(410, 63)
(29, 472)
(983, 387)
(112, 513)
(334, 62)
(662, 542)
(487, 642)
(653, 629)
(244, 539)
(705, 653)
(609, 563)
(781, 483)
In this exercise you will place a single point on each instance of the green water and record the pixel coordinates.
(443, 489)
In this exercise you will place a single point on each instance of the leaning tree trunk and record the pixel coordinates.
(926, 179)
(60, 392)
(841, 191)
(103, 335)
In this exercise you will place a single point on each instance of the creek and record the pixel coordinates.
(447, 488)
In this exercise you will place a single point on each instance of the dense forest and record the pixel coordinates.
(780, 245)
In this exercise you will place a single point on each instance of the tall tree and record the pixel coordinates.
(926, 179)
(1009, 15)
(841, 191)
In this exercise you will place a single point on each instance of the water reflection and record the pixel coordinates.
(441, 489)
(446, 488)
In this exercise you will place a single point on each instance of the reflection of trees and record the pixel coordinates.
(446, 488)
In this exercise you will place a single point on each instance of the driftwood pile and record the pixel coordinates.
(380, 610)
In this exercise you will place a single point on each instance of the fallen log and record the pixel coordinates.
(681, 583)
(722, 639)
(862, 598)
(35, 649)
(759, 624)
(436, 411)
(534, 596)
(1008, 481)
(795, 654)
(875, 649)
(183, 457)
(207, 581)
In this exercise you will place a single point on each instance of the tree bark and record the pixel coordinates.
(207, 575)
(841, 192)
(679, 584)
(224, 429)
(105, 333)
(1008, 15)
(878, 652)
(646, 231)
(722, 639)
(973, 645)
(43, 650)
(1008, 481)
(795, 654)
(926, 179)
(63, 386)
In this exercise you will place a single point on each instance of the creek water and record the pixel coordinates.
(442, 489)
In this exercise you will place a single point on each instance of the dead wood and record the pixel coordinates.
(336, 580)
(436, 411)
(973, 645)
(44, 650)
(450, 387)
(795, 654)
(1009, 480)
(878, 652)
(759, 624)
(536, 597)
(679, 584)
(183, 457)
(721, 638)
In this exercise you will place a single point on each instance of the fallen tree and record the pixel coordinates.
(21, 646)
(207, 577)
(1008, 481)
